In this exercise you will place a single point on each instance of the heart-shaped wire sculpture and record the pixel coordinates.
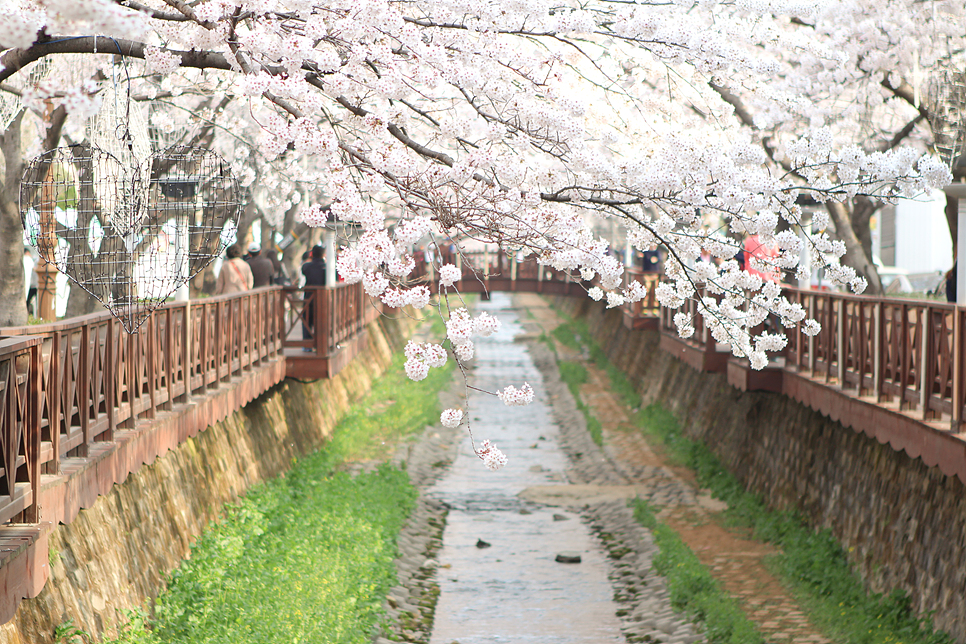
(129, 236)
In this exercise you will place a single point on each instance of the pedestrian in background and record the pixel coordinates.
(235, 275)
(651, 260)
(314, 273)
(950, 278)
(263, 271)
(760, 259)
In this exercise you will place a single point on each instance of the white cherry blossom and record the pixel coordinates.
(411, 127)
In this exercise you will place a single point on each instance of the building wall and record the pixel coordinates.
(922, 241)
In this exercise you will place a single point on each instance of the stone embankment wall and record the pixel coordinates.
(115, 555)
(902, 523)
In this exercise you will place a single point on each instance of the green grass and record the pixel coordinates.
(394, 409)
(576, 334)
(574, 374)
(564, 334)
(811, 562)
(307, 557)
(692, 588)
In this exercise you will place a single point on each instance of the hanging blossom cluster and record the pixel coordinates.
(491, 456)
(481, 124)
(513, 397)
(451, 418)
(461, 327)
(420, 357)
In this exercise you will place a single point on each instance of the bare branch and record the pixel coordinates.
(13, 60)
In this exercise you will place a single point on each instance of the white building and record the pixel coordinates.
(913, 235)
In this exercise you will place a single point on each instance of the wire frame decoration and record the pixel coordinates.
(129, 236)
(946, 100)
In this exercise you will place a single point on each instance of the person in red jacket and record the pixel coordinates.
(760, 259)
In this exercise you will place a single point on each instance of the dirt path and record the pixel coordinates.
(737, 561)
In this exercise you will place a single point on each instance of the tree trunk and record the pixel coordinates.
(79, 301)
(13, 295)
(952, 220)
(855, 254)
(862, 210)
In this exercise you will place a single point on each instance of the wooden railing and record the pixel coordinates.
(904, 352)
(648, 307)
(70, 385)
(90, 378)
(20, 368)
(484, 271)
(319, 319)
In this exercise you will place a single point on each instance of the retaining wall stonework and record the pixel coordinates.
(116, 554)
(903, 523)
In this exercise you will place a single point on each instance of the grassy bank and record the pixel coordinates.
(307, 557)
(692, 588)
(812, 564)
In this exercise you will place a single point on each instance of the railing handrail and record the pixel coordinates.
(191, 346)
(18, 344)
(99, 316)
(869, 298)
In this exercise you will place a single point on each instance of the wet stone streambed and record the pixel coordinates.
(546, 549)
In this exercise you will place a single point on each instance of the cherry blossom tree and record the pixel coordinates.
(519, 122)
(867, 72)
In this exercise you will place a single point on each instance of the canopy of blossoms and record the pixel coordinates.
(518, 122)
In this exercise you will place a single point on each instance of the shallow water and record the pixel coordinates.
(513, 590)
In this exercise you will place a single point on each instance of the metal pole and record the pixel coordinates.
(181, 245)
(329, 237)
(958, 191)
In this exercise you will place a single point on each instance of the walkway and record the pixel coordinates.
(514, 590)
(494, 564)
(736, 561)
(497, 571)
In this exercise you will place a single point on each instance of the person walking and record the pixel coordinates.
(314, 273)
(263, 270)
(950, 278)
(235, 275)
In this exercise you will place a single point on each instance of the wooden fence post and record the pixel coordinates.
(54, 400)
(84, 385)
(322, 327)
(811, 338)
(925, 363)
(205, 360)
(32, 434)
(169, 357)
(957, 388)
(111, 375)
(877, 366)
(513, 274)
(131, 375)
(840, 343)
(152, 367)
(187, 351)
